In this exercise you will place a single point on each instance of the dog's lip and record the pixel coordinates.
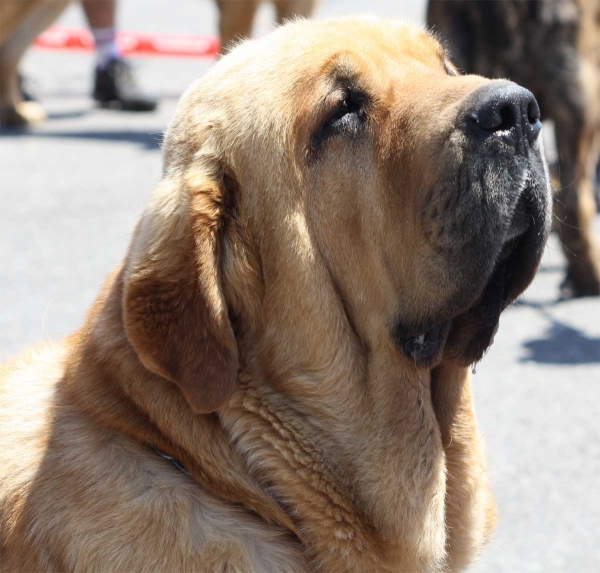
(473, 332)
(509, 251)
(521, 218)
(521, 250)
(501, 275)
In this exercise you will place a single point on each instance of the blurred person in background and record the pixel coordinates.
(20, 23)
(114, 83)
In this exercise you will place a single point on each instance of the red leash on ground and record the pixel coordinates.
(132, 43)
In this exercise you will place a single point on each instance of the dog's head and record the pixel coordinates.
(335, 169)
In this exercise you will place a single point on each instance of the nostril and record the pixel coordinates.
(507, 119)
(533, 117)
(533, 112)
(494, 117)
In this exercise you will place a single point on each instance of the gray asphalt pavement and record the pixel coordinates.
(73, 188)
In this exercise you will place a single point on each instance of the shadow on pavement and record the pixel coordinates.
(147, 140)
(557, 268)
(563, 345)
(77, 94)
(67, 114)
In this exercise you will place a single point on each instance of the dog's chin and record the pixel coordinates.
(465, 337)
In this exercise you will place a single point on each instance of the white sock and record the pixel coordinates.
(106, 45)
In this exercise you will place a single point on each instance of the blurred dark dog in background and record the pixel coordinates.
(552, 48)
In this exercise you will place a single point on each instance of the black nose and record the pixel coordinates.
(507, 111)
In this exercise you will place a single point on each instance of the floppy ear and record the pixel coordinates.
(174, 311)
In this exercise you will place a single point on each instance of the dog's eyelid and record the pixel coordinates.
(353, 97)
(343, 99)
(348, 102)
(351, 88)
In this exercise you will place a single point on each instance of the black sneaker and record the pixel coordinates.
(115, 87)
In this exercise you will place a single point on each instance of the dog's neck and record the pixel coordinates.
(361, 483)
(364, 479)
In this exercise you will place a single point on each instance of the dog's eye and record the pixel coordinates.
(347, 117)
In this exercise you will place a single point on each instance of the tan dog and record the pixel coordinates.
(21, 21)
(341, 220)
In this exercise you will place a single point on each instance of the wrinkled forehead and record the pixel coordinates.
(301, 55)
